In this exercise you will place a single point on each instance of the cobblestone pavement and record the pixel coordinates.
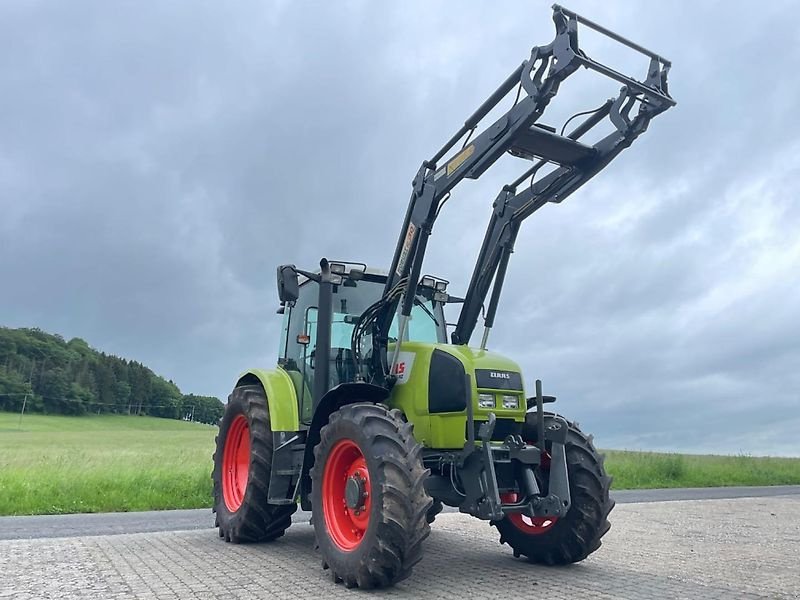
(743, 548)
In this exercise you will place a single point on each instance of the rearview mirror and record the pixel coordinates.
(288, 287)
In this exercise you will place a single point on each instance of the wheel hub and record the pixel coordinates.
(355, 491)
(346, 495)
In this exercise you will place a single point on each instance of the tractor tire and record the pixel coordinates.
(368, 498)
(242, 465)
(576, 535)
(434, 510)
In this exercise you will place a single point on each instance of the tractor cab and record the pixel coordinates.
(355, 290)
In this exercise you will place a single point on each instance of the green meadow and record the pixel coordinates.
(59, 464)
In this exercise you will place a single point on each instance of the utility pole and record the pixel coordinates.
(25, 399)
(24, 402)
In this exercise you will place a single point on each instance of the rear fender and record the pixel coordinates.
(281, 396)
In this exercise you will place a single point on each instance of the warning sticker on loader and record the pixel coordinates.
(459, 159)
(412, 229)
(405, 360)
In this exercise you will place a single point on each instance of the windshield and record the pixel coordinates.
(426, 323)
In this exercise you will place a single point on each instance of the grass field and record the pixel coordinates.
(102, 463)
(117, 463)
(641, 470)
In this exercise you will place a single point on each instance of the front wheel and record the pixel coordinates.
(368, 498)
(577, 534)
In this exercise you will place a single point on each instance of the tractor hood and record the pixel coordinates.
(435, 382)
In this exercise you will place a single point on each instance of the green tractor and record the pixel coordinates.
(376, 415)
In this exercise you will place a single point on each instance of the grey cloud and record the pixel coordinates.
(157, 162)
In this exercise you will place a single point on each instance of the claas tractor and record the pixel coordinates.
(377, 415)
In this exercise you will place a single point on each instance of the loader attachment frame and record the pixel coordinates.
(516, 132)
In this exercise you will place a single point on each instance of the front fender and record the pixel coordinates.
(281, 396)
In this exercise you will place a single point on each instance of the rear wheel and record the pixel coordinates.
(368, 498)
(577, 534)
(242, 465)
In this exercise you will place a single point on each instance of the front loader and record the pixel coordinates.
(376, 415)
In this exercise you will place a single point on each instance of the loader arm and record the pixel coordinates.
(518, 133)
(511, 208)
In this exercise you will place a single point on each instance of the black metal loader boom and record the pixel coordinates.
(518, 133)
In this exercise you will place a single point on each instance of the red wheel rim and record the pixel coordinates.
(236, 463)
(346, 525)
(526, 524)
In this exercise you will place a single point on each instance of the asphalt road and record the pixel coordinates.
(725, 549)
(50, 526)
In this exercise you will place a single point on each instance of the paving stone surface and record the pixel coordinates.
(742, 548)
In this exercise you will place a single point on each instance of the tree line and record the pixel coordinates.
(55, 376)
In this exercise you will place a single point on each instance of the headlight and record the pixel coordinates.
(486, 400)
(510, 401)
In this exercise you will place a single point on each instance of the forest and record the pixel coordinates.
(50, 375)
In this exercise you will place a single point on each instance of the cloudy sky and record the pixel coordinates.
(157, 160)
